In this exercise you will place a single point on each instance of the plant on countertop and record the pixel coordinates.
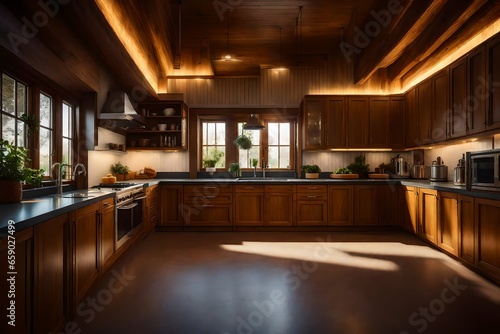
(359, 166)
(311, 169)
(34, 177)
(119, 168)
(12, 161)
(244, 142)
(342, 170)
(234, 169)
(387, 167)
(212, 158)
(254, 162)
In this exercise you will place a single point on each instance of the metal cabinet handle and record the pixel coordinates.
(311, 196)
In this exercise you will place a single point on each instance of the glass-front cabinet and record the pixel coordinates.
(165, 127)
(313, 108)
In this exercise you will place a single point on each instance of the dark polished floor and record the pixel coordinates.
(289, 283)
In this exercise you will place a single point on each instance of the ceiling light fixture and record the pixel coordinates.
(253, 124)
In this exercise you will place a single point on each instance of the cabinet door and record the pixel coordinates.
(249, 205)
(487, 218)
(335, 123)
(440, 97)
(467, 231)
(448, 226)
(340, 205)
(171, 205)
(50, 288)
(477, 91)
(107, 232)
(428, 214)
(278, 205)
(151, 208)
(409, 207)
(380, 121)
(397, 126)
(85, 238)
(493, 79)
(388, 204)
(23, 279)
(208, 205)
(357, 121)
(314, 108)
(424, 107)
(411, 119)
(365, 205)
(458, 103)
(312, 212)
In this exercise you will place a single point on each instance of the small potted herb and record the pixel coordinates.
(211, 159)
(359, 166)
(119, 170)
(234, 169)
(12, 171)
(311, 171)
(33, 177)
(244, 142)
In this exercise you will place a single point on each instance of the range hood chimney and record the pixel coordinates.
(118, 113)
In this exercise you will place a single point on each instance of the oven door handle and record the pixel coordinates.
(127, 207)
(139, 198)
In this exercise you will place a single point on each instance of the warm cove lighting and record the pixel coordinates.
(118, 23)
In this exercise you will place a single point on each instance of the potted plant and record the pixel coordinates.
(311, 171)
(235, 169)
(359, 166)
(33, 177)
(244, 142)
(211, 159)
(32, 122)
(119, 170)
(12, 171)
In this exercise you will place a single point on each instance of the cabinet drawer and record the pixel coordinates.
(312, 196)
(249, 188)
(190, 199)
(108, 203)
(210, 215)
(278, 188)
(207, 189)
(311, 188)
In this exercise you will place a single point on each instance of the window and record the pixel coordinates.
(67, 133)
(46, 129)
(245, 156)
(14, 104)
(278, 142)
(213, 140)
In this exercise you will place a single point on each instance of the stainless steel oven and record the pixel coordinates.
(483, 170)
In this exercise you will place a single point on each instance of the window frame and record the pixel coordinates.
(17, 114)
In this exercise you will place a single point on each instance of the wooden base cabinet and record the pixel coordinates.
(23, 241)
(108, 242)
(249, 205)
(278, 205)
(340, 205)
(467, 231)
(208, 205)
(311, 205)
(50, 284)
(388, 205)
(151, 208)
(409, 209)
(428, 214)
(172, 208)
(487, 218)
(448, 224)
(365, 205)
(85, 240)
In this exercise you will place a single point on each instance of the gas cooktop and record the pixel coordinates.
(117, 185)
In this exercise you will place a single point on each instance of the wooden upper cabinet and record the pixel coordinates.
(476, 91)
(493, 80)
(411, 119)
(424, 111)
(398, 118)
(358, 113)
(458, 99)
(380, 121)
(313, 109)
(335, 122)
(440, 96)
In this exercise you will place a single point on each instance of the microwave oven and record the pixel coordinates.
(483, 170)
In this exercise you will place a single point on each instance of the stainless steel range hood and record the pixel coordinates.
(118, 113)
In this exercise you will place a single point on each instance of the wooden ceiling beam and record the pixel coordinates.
(390, 44)
(449, 20)
(483, 18)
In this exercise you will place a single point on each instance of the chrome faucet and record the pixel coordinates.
(83, 170)
(59, 183)
(263, 167)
